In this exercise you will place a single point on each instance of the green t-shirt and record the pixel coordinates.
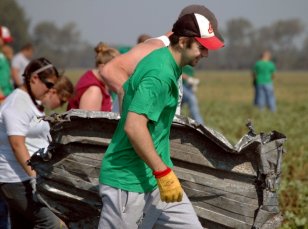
(6, 86)
(152, 91)
(264, 71)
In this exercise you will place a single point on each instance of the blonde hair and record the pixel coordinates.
(64, 88)
(104, 53)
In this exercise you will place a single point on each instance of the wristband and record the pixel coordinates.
(159, 174)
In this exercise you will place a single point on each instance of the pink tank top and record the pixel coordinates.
(86, 81)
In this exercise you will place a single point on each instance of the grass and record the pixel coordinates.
(225, 100)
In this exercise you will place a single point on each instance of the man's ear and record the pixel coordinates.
(182, 42)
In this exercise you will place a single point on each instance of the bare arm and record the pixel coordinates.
(91, 99)
(118, 70)
(114, 75)
(21, 153)
(138, 134)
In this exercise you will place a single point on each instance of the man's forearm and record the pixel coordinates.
(137, 131)
(139, 136)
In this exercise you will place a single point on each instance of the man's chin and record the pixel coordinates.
(194, 62)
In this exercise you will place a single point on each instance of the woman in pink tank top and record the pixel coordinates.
(91, 93)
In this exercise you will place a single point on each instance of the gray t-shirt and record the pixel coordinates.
(19, 116)
(20, 62)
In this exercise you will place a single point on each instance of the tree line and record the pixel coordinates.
(243, 42)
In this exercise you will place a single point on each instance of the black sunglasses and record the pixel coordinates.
(48, 84)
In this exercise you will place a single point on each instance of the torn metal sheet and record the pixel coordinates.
(229, 186)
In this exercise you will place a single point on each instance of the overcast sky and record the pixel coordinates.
(121, 21)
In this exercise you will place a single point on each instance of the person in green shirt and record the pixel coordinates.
(6, 87)
(137, 185)
(263, 73)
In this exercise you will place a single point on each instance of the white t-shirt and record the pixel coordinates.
(20, 62)
(19, 116)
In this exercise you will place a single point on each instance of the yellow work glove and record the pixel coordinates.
(169, 186)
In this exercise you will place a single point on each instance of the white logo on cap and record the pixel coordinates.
(205, 27)
(210, 28)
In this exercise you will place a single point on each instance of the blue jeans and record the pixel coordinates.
(265, 97)
(3, 214)
(190, 98)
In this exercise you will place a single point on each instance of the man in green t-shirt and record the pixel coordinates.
(137, 185)
(263, 74)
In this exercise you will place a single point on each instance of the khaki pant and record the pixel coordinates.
(130, 210)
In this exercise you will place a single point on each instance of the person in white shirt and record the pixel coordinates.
(22, 133)
(19, 63)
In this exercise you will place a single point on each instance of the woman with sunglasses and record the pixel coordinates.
(21, 134)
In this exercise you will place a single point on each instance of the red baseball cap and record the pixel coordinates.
(5, 34)
(200, 27)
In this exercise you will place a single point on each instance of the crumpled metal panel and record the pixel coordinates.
(229, 186)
